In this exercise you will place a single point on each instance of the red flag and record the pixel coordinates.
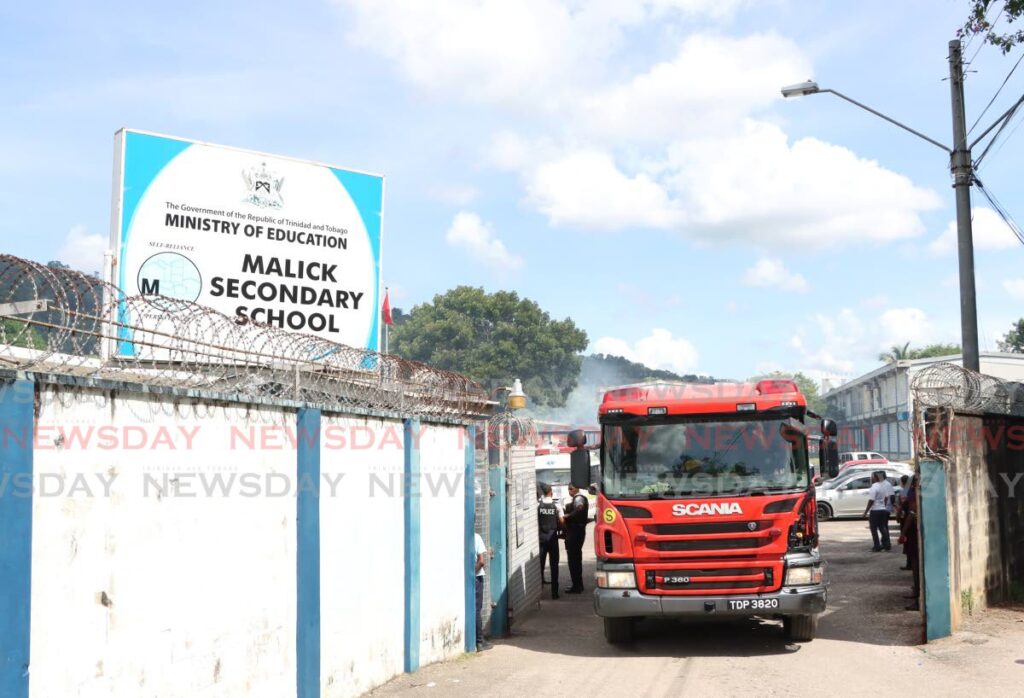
(385, 310)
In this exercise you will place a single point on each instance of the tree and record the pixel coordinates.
(807, 385)
(495, 338)
(897, 353)
(982, 21)
(932, 350)
(1013, 341)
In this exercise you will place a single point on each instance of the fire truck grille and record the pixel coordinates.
(709, 544)
(698, 528)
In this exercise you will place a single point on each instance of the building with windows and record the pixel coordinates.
(874, 410)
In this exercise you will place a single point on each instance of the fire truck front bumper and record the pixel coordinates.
(792, 600)
(629, 603)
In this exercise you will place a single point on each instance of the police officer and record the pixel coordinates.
(575, 535)
(549, 520)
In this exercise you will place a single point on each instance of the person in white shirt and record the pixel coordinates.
(880, 497)
(481, 561)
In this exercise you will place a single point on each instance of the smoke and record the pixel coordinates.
(598, 374)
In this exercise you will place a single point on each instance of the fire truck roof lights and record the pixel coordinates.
(777, 386)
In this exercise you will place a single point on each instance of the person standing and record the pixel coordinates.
(910, 547)
(481, 561)
(880, 497)
(575, 535)
(549, 521)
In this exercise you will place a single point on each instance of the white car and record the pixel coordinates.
(860, 455)
(847, 495)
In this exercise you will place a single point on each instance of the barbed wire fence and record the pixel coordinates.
(967, 392)
(60, 321)
(944, 390)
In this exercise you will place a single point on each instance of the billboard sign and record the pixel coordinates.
(282, 242)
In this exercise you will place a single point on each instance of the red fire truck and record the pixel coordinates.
(706, 506)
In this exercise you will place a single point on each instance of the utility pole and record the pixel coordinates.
(963, 176)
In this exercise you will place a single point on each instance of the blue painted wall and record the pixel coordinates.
(16, 423)
(497, 569)
(935, 551)
(307, 641)
(470, 542)
(411, 494)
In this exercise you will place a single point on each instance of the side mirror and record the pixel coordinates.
(579, 468)
(829, 427)
(592, 489)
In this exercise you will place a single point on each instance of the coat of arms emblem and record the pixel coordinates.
(263, 187)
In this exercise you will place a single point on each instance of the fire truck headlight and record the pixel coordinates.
(616, 580)
(802, 576)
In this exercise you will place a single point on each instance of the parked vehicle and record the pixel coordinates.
(847, 495)
(860, 455)
(707, 507)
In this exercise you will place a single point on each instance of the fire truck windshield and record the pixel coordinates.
(703, 458)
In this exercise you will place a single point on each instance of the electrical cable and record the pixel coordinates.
(998, 207)
(995, 95)
(1009, 135)
(983, 41)
(1002, 127)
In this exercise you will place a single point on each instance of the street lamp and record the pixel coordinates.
(962, 168)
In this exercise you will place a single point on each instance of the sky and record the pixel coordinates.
(631, 165)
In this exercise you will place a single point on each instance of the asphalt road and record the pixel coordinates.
(867, 644)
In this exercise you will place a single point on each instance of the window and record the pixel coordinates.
(861, 483)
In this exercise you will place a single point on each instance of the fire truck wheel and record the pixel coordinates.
(824, 511)
(618, 631)
(800, 628)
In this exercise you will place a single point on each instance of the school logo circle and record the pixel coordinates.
(169, 276)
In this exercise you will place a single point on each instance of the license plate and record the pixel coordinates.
(753, 604)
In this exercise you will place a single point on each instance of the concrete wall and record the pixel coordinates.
(175, 545)
(159, 591)
(362, 549)
(442, 493)
(984, 495)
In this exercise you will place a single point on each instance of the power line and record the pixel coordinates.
(1008, 136)
(1005, 80)
(998, 207)
(983, 41)
(1005, 119)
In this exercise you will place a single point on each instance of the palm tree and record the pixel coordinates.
(897, 353)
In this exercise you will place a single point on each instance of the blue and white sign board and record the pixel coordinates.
(287, 243)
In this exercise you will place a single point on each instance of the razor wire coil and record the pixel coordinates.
(967, 392)
(60, 321)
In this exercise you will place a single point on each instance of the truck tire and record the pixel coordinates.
(618, 631)
(800, 628)
(824, 511)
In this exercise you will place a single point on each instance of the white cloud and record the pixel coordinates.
(772, 273)
(83, 250)
(658, 350)
(586, 189)
(844, 344)
(758, 186)
(1015, 287)
(470, 233)
(990, 232)
(901, 325)
(753, 187)
(709, 86)
(529, 52)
